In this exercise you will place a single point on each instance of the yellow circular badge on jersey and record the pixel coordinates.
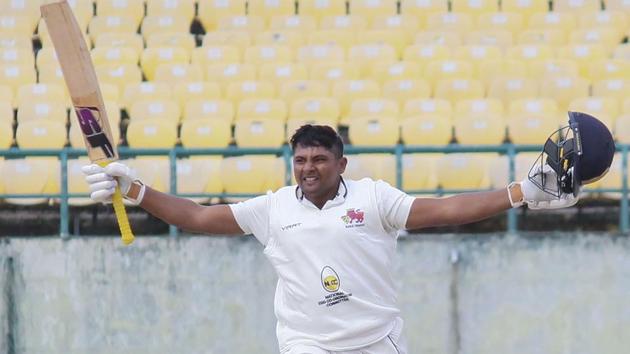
(330, 279)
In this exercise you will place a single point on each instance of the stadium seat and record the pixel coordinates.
(475, 7)
(422, 106)
(508, 88)
(261, 109)
(242, 90)
(622, 128)
(608, 38)
(426, 129)
(530, 52)
(321, 8)
(545, 36)
(251, 24)
(41, 134)
(613, 179)
(49, 74)
(605, 109)
(229, 73)
(294, 90)
(260, 54)
(422, 9)
(115, 55)
(291, 22)
(513, 22)
(612, 19)
(210, 11)
(153, 133)
(496, 38)
(239, 39)
(479, 128)
(24, 11)
(152, 171)
(564, 89)
(350, 22)
(46, 56)
(320, 53)
(194, 90)
(499, 169)
(478, 54)
(615, 88)
(531, 128)
(368, 108)
(606, 69)
(6, 97)
(77, 183)
(257, 132)
(147, 90)
(479, 106)
(332, 37)
(461, 171)
(405, 24)
(564, 21)
(182, 40)
(279, 72)
(131, 40)
(16, 75)
(460, 23)
(617, 5)
(374, 166)
(333, 71)
(383, 71)
(347, 91)
(16, 24)
(17, 56)
(577, 6)
(174, 73)
(6, 133)
(268, 9)
(459, 89)
(403, 90)
(130, 8)
(152, 57)
(372, 8)
(103, 24)
(423, 54)
(583, 55)
(174, 23)
(252, 174)
(374, 131)
(545, 68)
(315, 108)
(448, 69)
(28, 94)
(15, 40)
(119, 75)
(198, 175)
(153, 109)
(208, 108)
(43, 110)
(533, 106)
(35, 175)
(182, 8)
(394, 38)
(419, 172)
(286, 38)
(206, 133)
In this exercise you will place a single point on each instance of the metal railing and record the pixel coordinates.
(509, 150)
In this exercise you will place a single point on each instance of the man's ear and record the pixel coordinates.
(343, 162)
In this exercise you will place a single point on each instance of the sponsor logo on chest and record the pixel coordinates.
(353, 218)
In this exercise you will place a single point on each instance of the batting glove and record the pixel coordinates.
(103, 182)
(537, 198)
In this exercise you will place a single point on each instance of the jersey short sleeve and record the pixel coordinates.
(393, 205)
(252, 216)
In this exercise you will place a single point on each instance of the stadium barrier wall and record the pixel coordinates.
(473, 294)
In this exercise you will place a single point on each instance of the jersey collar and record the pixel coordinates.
(339, 198)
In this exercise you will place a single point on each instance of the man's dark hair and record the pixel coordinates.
(318, 135)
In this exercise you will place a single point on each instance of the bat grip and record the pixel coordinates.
(121, 214)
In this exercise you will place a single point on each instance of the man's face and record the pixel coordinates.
(317, 170)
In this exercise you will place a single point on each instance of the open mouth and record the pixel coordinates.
(310, 179)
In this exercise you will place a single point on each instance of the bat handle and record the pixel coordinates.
(121, 215)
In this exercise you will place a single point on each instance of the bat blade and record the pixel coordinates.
(80, 77)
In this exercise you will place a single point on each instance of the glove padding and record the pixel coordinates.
(537, 198)
(103, 181)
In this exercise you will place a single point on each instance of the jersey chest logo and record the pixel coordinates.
(353, 218)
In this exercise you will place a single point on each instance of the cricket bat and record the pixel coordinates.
(80, 76)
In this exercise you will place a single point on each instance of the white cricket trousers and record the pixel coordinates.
(394, 343)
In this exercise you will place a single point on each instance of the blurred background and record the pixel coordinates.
(433, 96)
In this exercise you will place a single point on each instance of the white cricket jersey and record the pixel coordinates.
(335, 265)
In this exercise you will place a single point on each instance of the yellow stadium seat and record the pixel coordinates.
(77, 183)
(605, 109)
(321, 8)
(211, 11)
(447, 69)
(16, 40)
(152, 57)
(608, 69)
(302, 23)
(333, 71)
(75, 136)
(83, 11)
(475, 7)
(293, 124)
(531, 128)
(100, 25)
(206, 133)
(396, 70)
(152, 24)
(622, 128)
(374, 131)
(176, 39)
(185, 91)
(6, 126)
(209, 109)
(548, 36)
(131, 8)
(46, 56)
(421, 9)
(459, 89)
(480, 106)
(294, 90)
(43, 110)
(16, 75)
(154, 109)
(183, 8)
(153, 171)
(367, 108)
(372, 8)
(174, 73)
(259, 132)
(612, 19)
(533, 106)
(18, 24)
(478, 54)
(524, 7)
(530, 52)
(347, 91)
(350, 22)
(460, 23)
(403, 90)
(618, 5)
(564, 89)
(198, 175)
(227, 73)
(374, 166)
(242, 90)
(114, 55)
(564, 21)
(419, 172)
(577, 6)
(260, 54)
(423, 54)
(461, 171)
(613, 178)
(324, 108)
(50, 74)
(426, 129)
(513, 22)
(330, 37)
(251, 24)
(147, 90)
(449, 39)
(279, 72)
(239, 39)
(41, 134)
(28, 94)
(608, 38)
(252, 174)
(131, 40)
(318, 53)
(479, 128)
(428, 106)
(119, 75)
(31, 176)
(544, 68)
(407, 24)
(497, 38)
(583, 54)
(509, 88)
(616, 88)
(27, 10)
(286, 38)
(268, 9)
(17, 56)
(394, 38)
(262, 109)
(153, 133)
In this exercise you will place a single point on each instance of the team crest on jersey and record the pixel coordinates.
(353, 217)
(330, 279)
